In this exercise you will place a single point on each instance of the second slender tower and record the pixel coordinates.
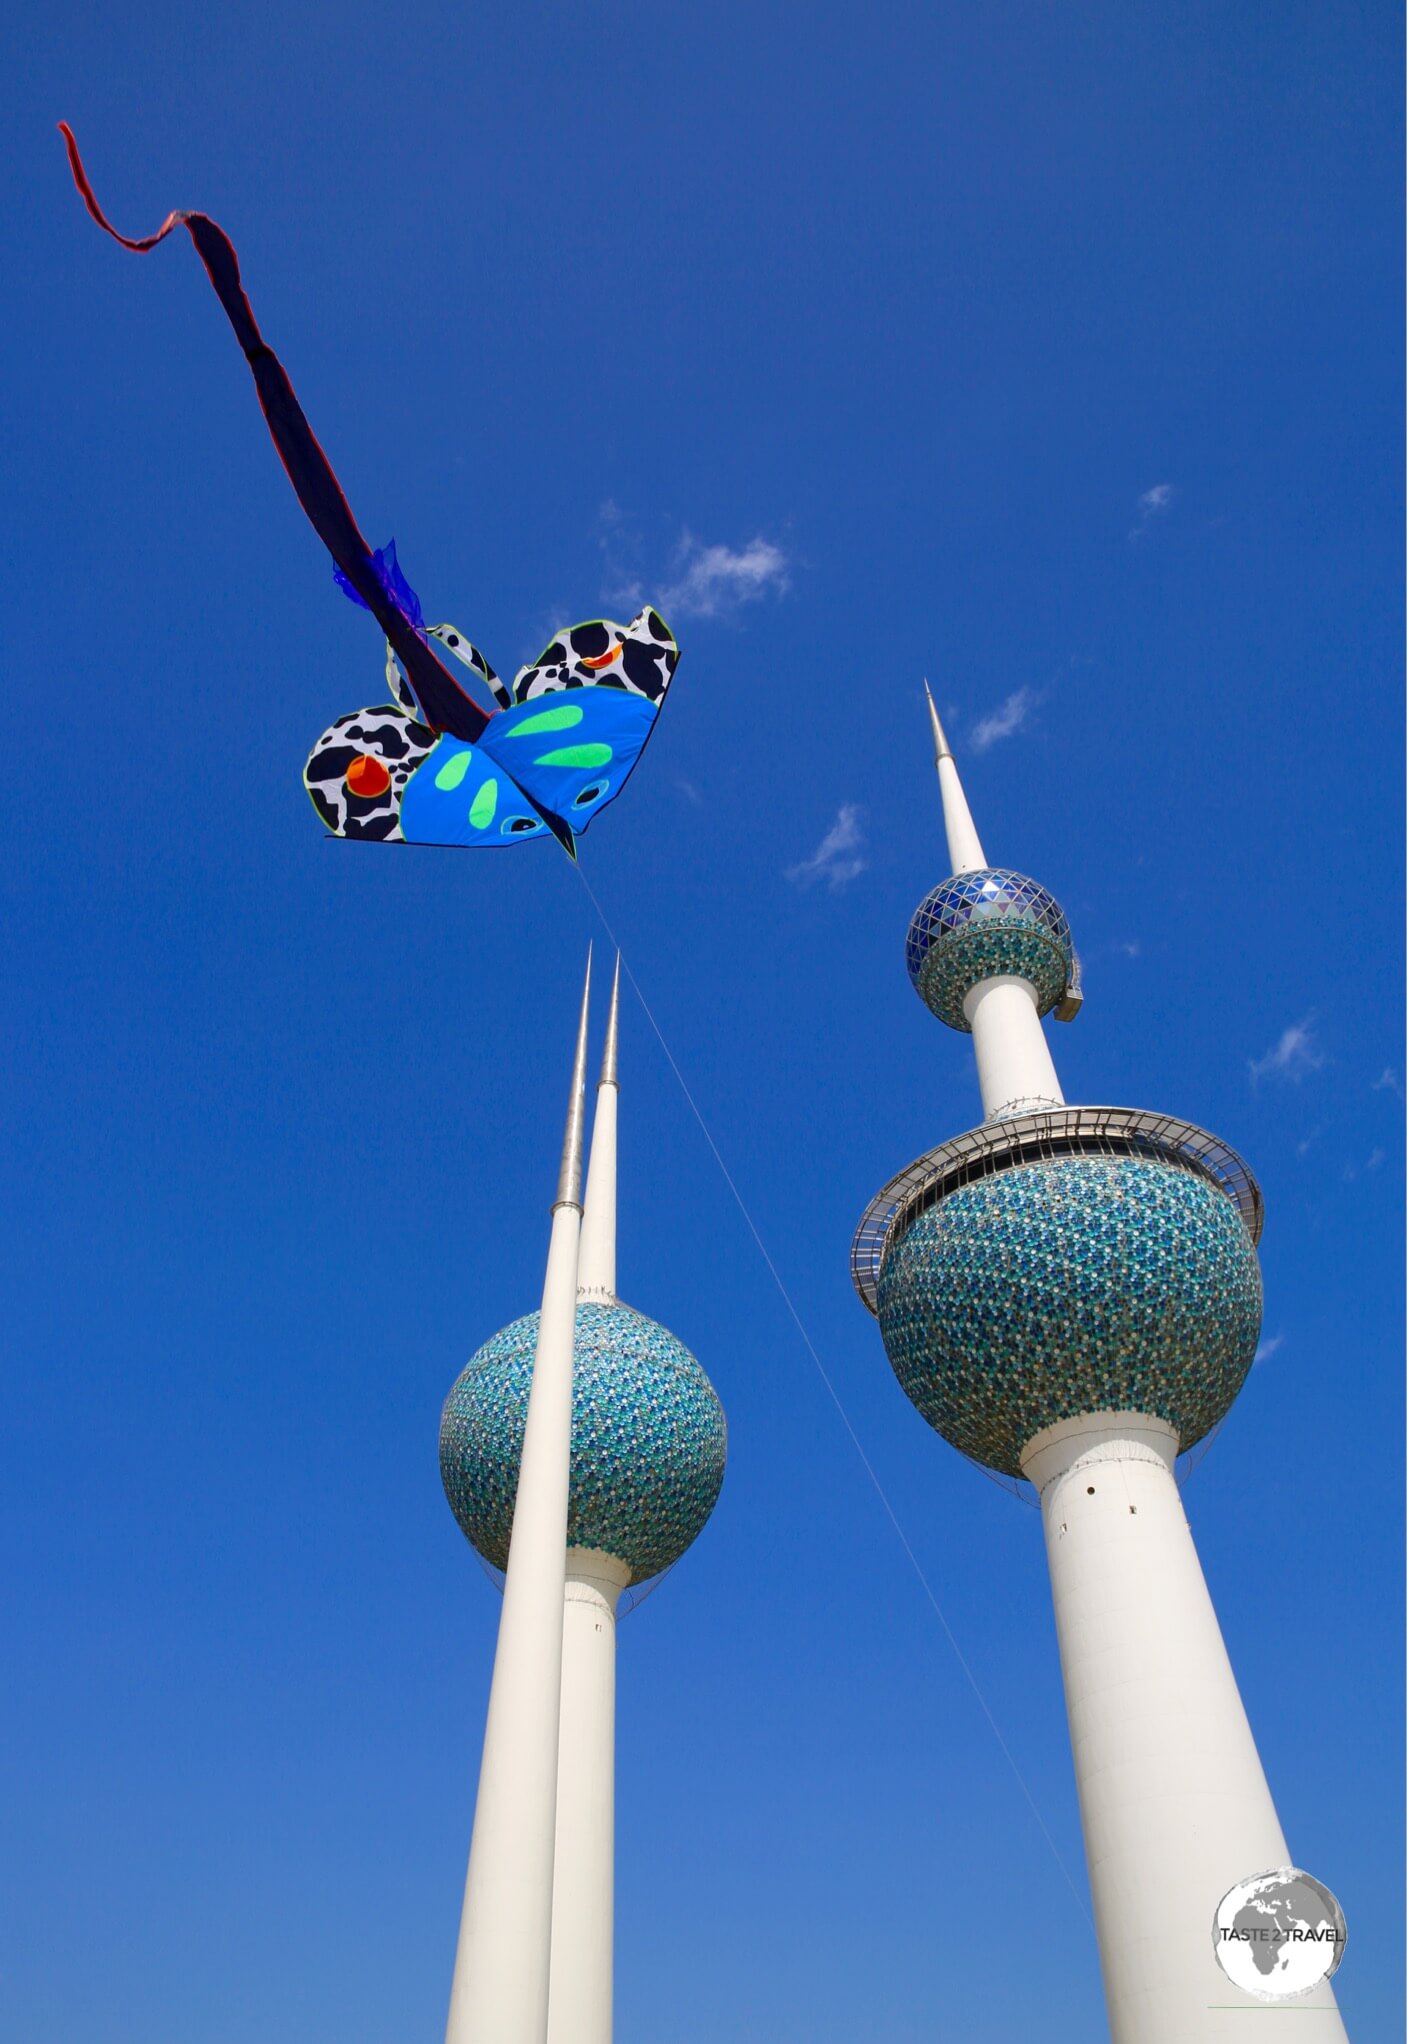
(648, 1447)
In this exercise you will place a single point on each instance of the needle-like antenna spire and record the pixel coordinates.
(964, 845)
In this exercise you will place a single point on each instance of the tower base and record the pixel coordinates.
(1173, 1797)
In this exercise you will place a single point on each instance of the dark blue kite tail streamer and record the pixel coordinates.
(373, 580)
(388, 572)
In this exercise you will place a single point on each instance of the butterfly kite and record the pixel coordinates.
(432, 766)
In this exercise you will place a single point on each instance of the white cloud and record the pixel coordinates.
(836, 859)
(1389, 1083)
(1296, 1054)
(1002, 722)
(1152, 504)
(710, 580)
(1267, 1348)
(1131, 948)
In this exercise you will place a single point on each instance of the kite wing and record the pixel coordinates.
(443, 703)
(551, 762)
(638, 658)
(538, 767)
(581, 715)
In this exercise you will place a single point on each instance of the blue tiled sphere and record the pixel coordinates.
(1069, 1285)
(649, 1439)
(980, 924)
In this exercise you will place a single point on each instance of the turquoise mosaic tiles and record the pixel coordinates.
(977, 925)
(1070, 1285)
(649, 1439)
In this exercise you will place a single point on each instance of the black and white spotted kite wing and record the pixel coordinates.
(357, 771)
(639, 657)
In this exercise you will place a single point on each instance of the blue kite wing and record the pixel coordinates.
(459, 795)
(573, 752)
(561, 758)
(561, 750)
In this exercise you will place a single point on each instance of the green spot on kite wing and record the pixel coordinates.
(559, 719)
(483, 805)
(453, 770)
(575, 756)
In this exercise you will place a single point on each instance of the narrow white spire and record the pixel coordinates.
(964, 845)
(1014, 1065)
(499, 1994)
(574, 1135)
(596, 1271)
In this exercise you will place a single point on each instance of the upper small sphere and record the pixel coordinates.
(649, 1439)
(1071, 1285)
(981, 924)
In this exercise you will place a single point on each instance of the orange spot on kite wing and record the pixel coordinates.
(367, 777)
(602, 659)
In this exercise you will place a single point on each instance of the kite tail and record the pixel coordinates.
(444, 704)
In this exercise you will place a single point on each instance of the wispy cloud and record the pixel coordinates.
(710, 581)
(1293, 1056)
(1389, 1083)
(837, 858)
(1004, 721)
(1130, 947)
(1152, 504)
(702, 581)
(1267, 1348)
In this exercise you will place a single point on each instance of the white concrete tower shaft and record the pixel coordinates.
(1014, 1063)
(1174, 1802)
(501, 1971)
(583, 1912)
(1173, 1798)
(583, 1915)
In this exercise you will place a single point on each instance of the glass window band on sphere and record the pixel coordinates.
(982, 924)
(649, 1439)
(1070, 1285)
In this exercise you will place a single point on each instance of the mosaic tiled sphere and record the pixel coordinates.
(980, 924)
(649, 1439)
(1074, 1284)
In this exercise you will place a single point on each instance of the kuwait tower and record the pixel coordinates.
(582, 1451)
(1072, 1295)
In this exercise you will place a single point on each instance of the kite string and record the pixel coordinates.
(835, 1399)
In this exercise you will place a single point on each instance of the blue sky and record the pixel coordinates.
(1054, 353)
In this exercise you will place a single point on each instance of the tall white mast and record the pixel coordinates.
(1015, 1069)
(596, 1275)
(583, 1915)
(501, 1970)
(964, 845)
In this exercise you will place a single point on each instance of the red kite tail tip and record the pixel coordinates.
(80, 178)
